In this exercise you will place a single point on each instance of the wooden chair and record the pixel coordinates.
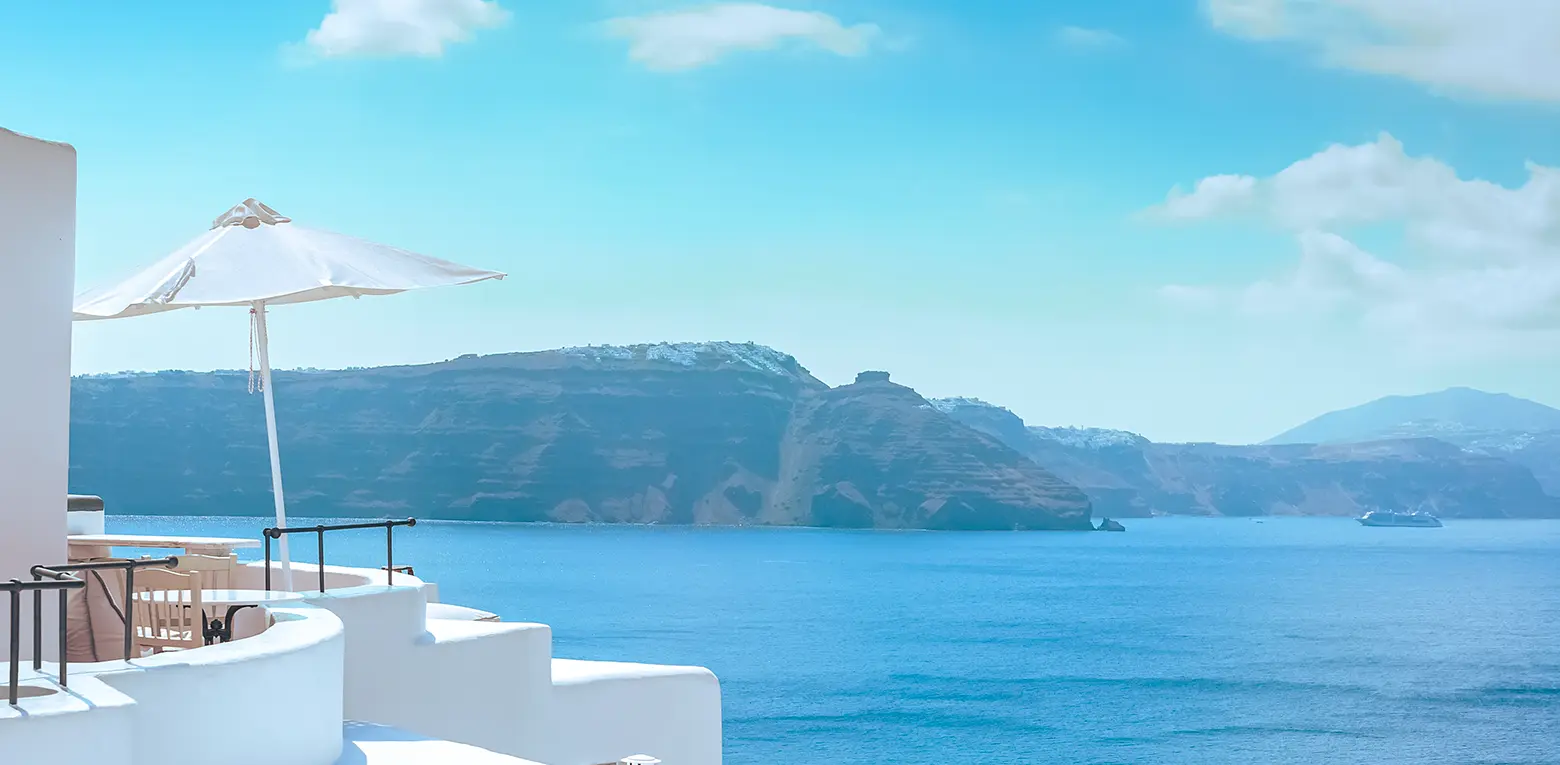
(216, 573)
(167, 610)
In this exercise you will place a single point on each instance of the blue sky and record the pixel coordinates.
(975, 196)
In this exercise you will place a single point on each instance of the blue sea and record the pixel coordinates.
(1181, 641)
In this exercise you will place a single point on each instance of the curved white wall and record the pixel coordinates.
(369, 653)
(272, 698)
(90, 725)
(306, 577)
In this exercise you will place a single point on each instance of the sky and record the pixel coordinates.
(1199, 220)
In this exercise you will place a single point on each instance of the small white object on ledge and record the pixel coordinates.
(84, 514)
(639, 759)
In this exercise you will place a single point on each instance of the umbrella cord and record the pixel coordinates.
(254, 328)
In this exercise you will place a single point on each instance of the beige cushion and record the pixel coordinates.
(94, 629)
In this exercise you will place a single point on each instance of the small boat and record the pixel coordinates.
(1410, 518)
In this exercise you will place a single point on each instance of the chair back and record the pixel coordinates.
(216, 573)
(168, 610)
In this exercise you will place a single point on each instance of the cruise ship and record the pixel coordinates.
(1409, 518)
(198, 657)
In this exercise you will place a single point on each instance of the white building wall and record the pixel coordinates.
(266, 700)
(480, 683)
(37, 279)
(602, 711)
(91, 725)
(270, 699)
(496, 686)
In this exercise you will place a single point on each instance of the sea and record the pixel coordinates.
(1279, 640)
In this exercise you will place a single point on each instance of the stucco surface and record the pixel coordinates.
(37, 278)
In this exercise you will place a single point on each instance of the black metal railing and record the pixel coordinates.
(64, 583)
(128, 565)
(388, 526)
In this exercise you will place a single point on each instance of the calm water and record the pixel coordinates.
(1181, 641)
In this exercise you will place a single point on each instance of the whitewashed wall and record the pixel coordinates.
(602, 711)
(496, 685)
(272, 698)
(481, 683)
(91, 725)
(268, 699)
(37, 275)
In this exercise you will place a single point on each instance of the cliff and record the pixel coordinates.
(1126, 475)
(707, 433)
(877, 454)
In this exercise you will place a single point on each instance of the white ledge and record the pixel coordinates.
(368, 744)
(577, 671)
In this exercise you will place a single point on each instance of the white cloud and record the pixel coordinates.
(1478, 261)
(400, 27)
(1502, 49)
(1333, 273)
(1083, 38)
(686, 39)
(1214, 195)
(1247, 18)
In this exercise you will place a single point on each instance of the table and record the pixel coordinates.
(98, 544)
(221, 630)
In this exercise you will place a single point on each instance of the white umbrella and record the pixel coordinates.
(255, 257)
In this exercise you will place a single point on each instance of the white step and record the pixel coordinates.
(368, 744)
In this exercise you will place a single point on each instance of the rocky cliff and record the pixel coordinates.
(709, 433)
(877, 454)
(1126, 475)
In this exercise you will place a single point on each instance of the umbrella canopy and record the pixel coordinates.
(255, 257)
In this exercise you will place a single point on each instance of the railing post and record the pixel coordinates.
(129, 612)
(320, 532)
(63, 646)
(267, 535)
(16, 638)
(389, 554)
(37, 627)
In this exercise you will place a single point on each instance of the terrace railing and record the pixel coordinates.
(128, 566)
(389, 527)
(64, 583)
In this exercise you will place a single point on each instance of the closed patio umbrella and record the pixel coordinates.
(254, 257)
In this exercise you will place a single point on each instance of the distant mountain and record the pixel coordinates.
(740, 434)
(1126, 475)
(1455, 414)
(673, 433)
(1497, 425)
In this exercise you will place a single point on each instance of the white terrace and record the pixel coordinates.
(367, 672)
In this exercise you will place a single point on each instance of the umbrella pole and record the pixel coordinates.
(262, 340)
